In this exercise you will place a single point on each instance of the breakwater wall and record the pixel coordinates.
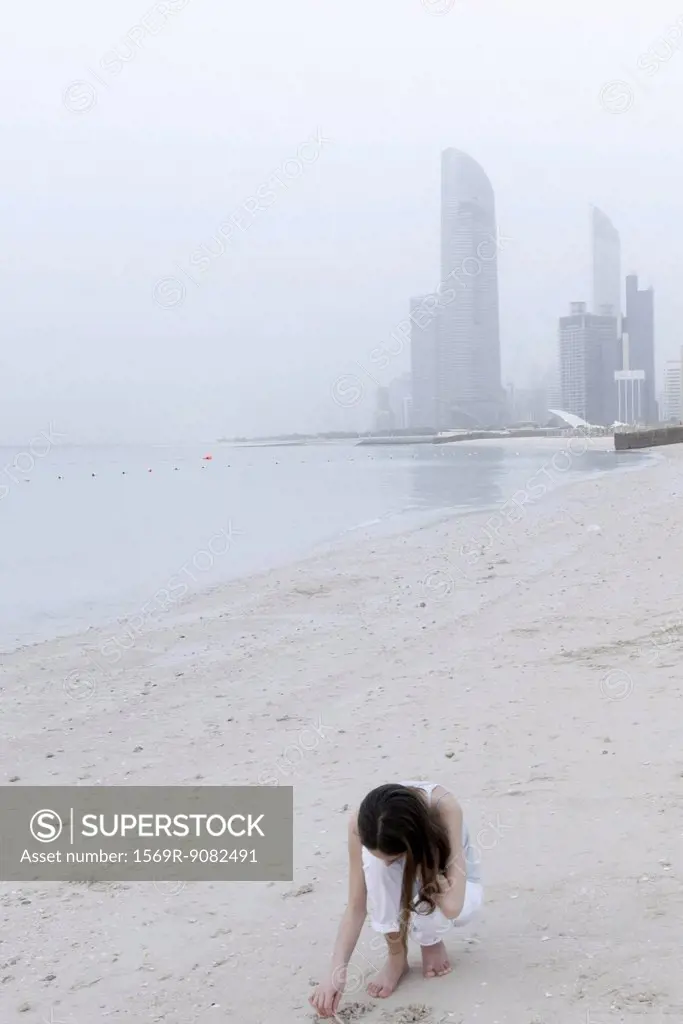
(648, 438)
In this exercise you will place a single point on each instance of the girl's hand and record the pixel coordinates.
(327, 995)
(439, 887)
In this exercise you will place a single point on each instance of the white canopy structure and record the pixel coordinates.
(575, 422)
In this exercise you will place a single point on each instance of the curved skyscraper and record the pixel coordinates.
(469, 390)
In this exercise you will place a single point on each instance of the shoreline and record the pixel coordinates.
(109, 623)
(534, 668)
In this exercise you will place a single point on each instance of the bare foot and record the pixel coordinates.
(435, 961)
(388, 978)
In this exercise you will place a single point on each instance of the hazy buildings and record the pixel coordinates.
(607, 376)
(383, 417)
(672, 395)
(607, 360)
(455, 334)
(553, 385)
(589, 359)
(606, 266)
(640, 327)
(424, 337)
(400, 401)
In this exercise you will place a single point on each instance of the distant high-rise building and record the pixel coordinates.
(640, 327)
(455, 341)
(469, 389)
(629, 384)
(672, 395)
(606, 266)
(553, 386)
(424, 328)
(400, 401)
(383, 417)
(589, 359)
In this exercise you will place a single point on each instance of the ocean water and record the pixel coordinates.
(91, 535)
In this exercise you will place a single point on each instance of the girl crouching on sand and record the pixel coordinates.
(412, 864)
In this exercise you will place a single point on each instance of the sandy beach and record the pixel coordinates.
(528, 660)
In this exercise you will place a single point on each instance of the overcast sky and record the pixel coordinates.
(113, 174)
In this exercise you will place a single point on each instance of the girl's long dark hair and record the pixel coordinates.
(398, 822)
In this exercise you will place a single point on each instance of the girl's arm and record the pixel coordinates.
(356, 908)
(327, 994)
(451, 898)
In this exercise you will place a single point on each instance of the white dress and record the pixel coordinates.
(384, 883)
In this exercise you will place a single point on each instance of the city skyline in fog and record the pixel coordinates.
(212, 217)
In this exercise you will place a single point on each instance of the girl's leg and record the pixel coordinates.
(383, 883)
(429, 929)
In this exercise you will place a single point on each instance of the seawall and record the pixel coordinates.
(648, 438)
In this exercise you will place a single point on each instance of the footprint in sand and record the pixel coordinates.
(414, 1014)
(301, 891)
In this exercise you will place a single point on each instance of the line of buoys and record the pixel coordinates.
(176, 469)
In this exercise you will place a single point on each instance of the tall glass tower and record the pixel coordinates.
(468, 376)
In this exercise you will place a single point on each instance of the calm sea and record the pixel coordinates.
(89, 535)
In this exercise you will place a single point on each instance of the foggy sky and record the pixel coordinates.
(109, 184)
